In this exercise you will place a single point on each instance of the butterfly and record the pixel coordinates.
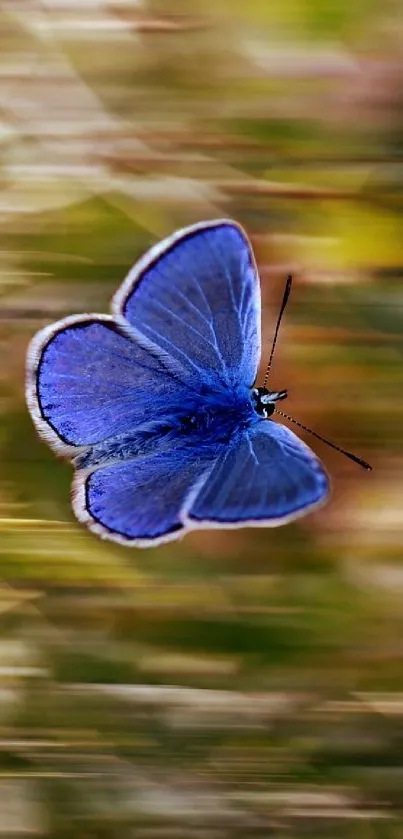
(157, 406)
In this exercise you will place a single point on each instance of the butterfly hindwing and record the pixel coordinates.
(196, 296)
(141, 501)
(266, 475)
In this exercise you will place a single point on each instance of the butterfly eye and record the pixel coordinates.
(267, 410)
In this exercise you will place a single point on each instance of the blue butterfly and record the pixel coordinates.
(156, 405)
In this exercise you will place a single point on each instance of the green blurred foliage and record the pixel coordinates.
(244, 684)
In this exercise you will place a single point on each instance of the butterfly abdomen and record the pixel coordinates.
(142, 441)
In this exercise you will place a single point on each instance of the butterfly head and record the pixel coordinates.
(265, 400)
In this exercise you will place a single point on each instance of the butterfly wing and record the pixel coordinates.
(265, 476)
(141, 501)
(196, 296)
(87, 382)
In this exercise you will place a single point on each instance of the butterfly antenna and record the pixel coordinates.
(353, 457)
(283, 305)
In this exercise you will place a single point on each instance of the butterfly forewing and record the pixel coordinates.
(197, 297)
(91, 382)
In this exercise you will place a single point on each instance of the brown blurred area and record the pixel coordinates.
(242, 684)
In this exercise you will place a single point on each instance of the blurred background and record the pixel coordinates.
(235, 684)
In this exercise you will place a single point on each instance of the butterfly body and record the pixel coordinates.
(156, 405)
(213, 419)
